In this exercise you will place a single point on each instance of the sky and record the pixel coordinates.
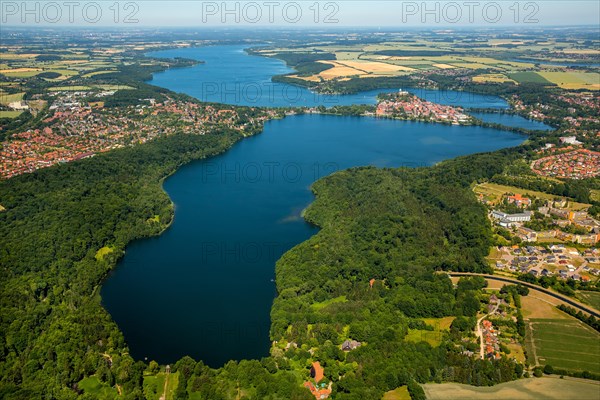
(311, 13)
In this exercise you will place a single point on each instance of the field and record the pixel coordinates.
(573, 80)
(494, 192)
(434, 338)
(10, 114)
(595, 195)
(528, 77)
(397, 394)
(524, 389)
(9, 98)
(564, 343)
(495, 78)
(591, 298)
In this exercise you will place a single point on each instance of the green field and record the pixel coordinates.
(97, 389)
(154, 386)
(323, 304)
(528, 77)
(434, 337)
(397, 394)
(10, 114)
(591, 298)
(9, 98)
(564, 343)
(572, 80)
(524, 389)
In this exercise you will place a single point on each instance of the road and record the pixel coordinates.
(573, 303)
(479, 333)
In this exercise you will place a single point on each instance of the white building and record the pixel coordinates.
(508, 220)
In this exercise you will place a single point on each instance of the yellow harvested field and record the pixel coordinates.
(540, 305)
(496, 78)
(444, 66)
(363, 69)
(375, 67)
(17, 70)
(573, 79)
(312, 78)
(13, 56)
(546, 388)
(338, 70)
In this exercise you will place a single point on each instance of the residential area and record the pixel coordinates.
(78, 129)
(574, 164)
(405, 105)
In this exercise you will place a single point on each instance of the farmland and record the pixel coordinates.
(591, 298)
(524, 389)
(564, 343)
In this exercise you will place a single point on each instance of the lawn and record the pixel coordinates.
(523, 389)
(154, 386)
(591, 298)
(397, 394)
(323, 304)
(565, 343)
(97, 389)
(434, 338)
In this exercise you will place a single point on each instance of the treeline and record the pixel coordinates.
(589, 319)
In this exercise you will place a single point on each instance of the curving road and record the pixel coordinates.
(573, 303)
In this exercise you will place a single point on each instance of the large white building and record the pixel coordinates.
(507, 220)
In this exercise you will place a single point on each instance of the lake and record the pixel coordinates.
(230, 76)
(205, 287)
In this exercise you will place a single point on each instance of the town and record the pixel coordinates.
(77, 129)
(405, 105)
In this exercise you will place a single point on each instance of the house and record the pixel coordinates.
(320, 391)
(519, 200)
(350, 345)
(316, 371)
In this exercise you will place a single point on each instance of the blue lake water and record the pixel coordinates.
(511, 120)
(205, 287)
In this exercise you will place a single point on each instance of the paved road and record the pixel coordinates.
(570, 301)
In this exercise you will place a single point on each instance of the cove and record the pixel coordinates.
(204, 287)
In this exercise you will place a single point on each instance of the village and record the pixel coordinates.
(405, 105)
(77, 129)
